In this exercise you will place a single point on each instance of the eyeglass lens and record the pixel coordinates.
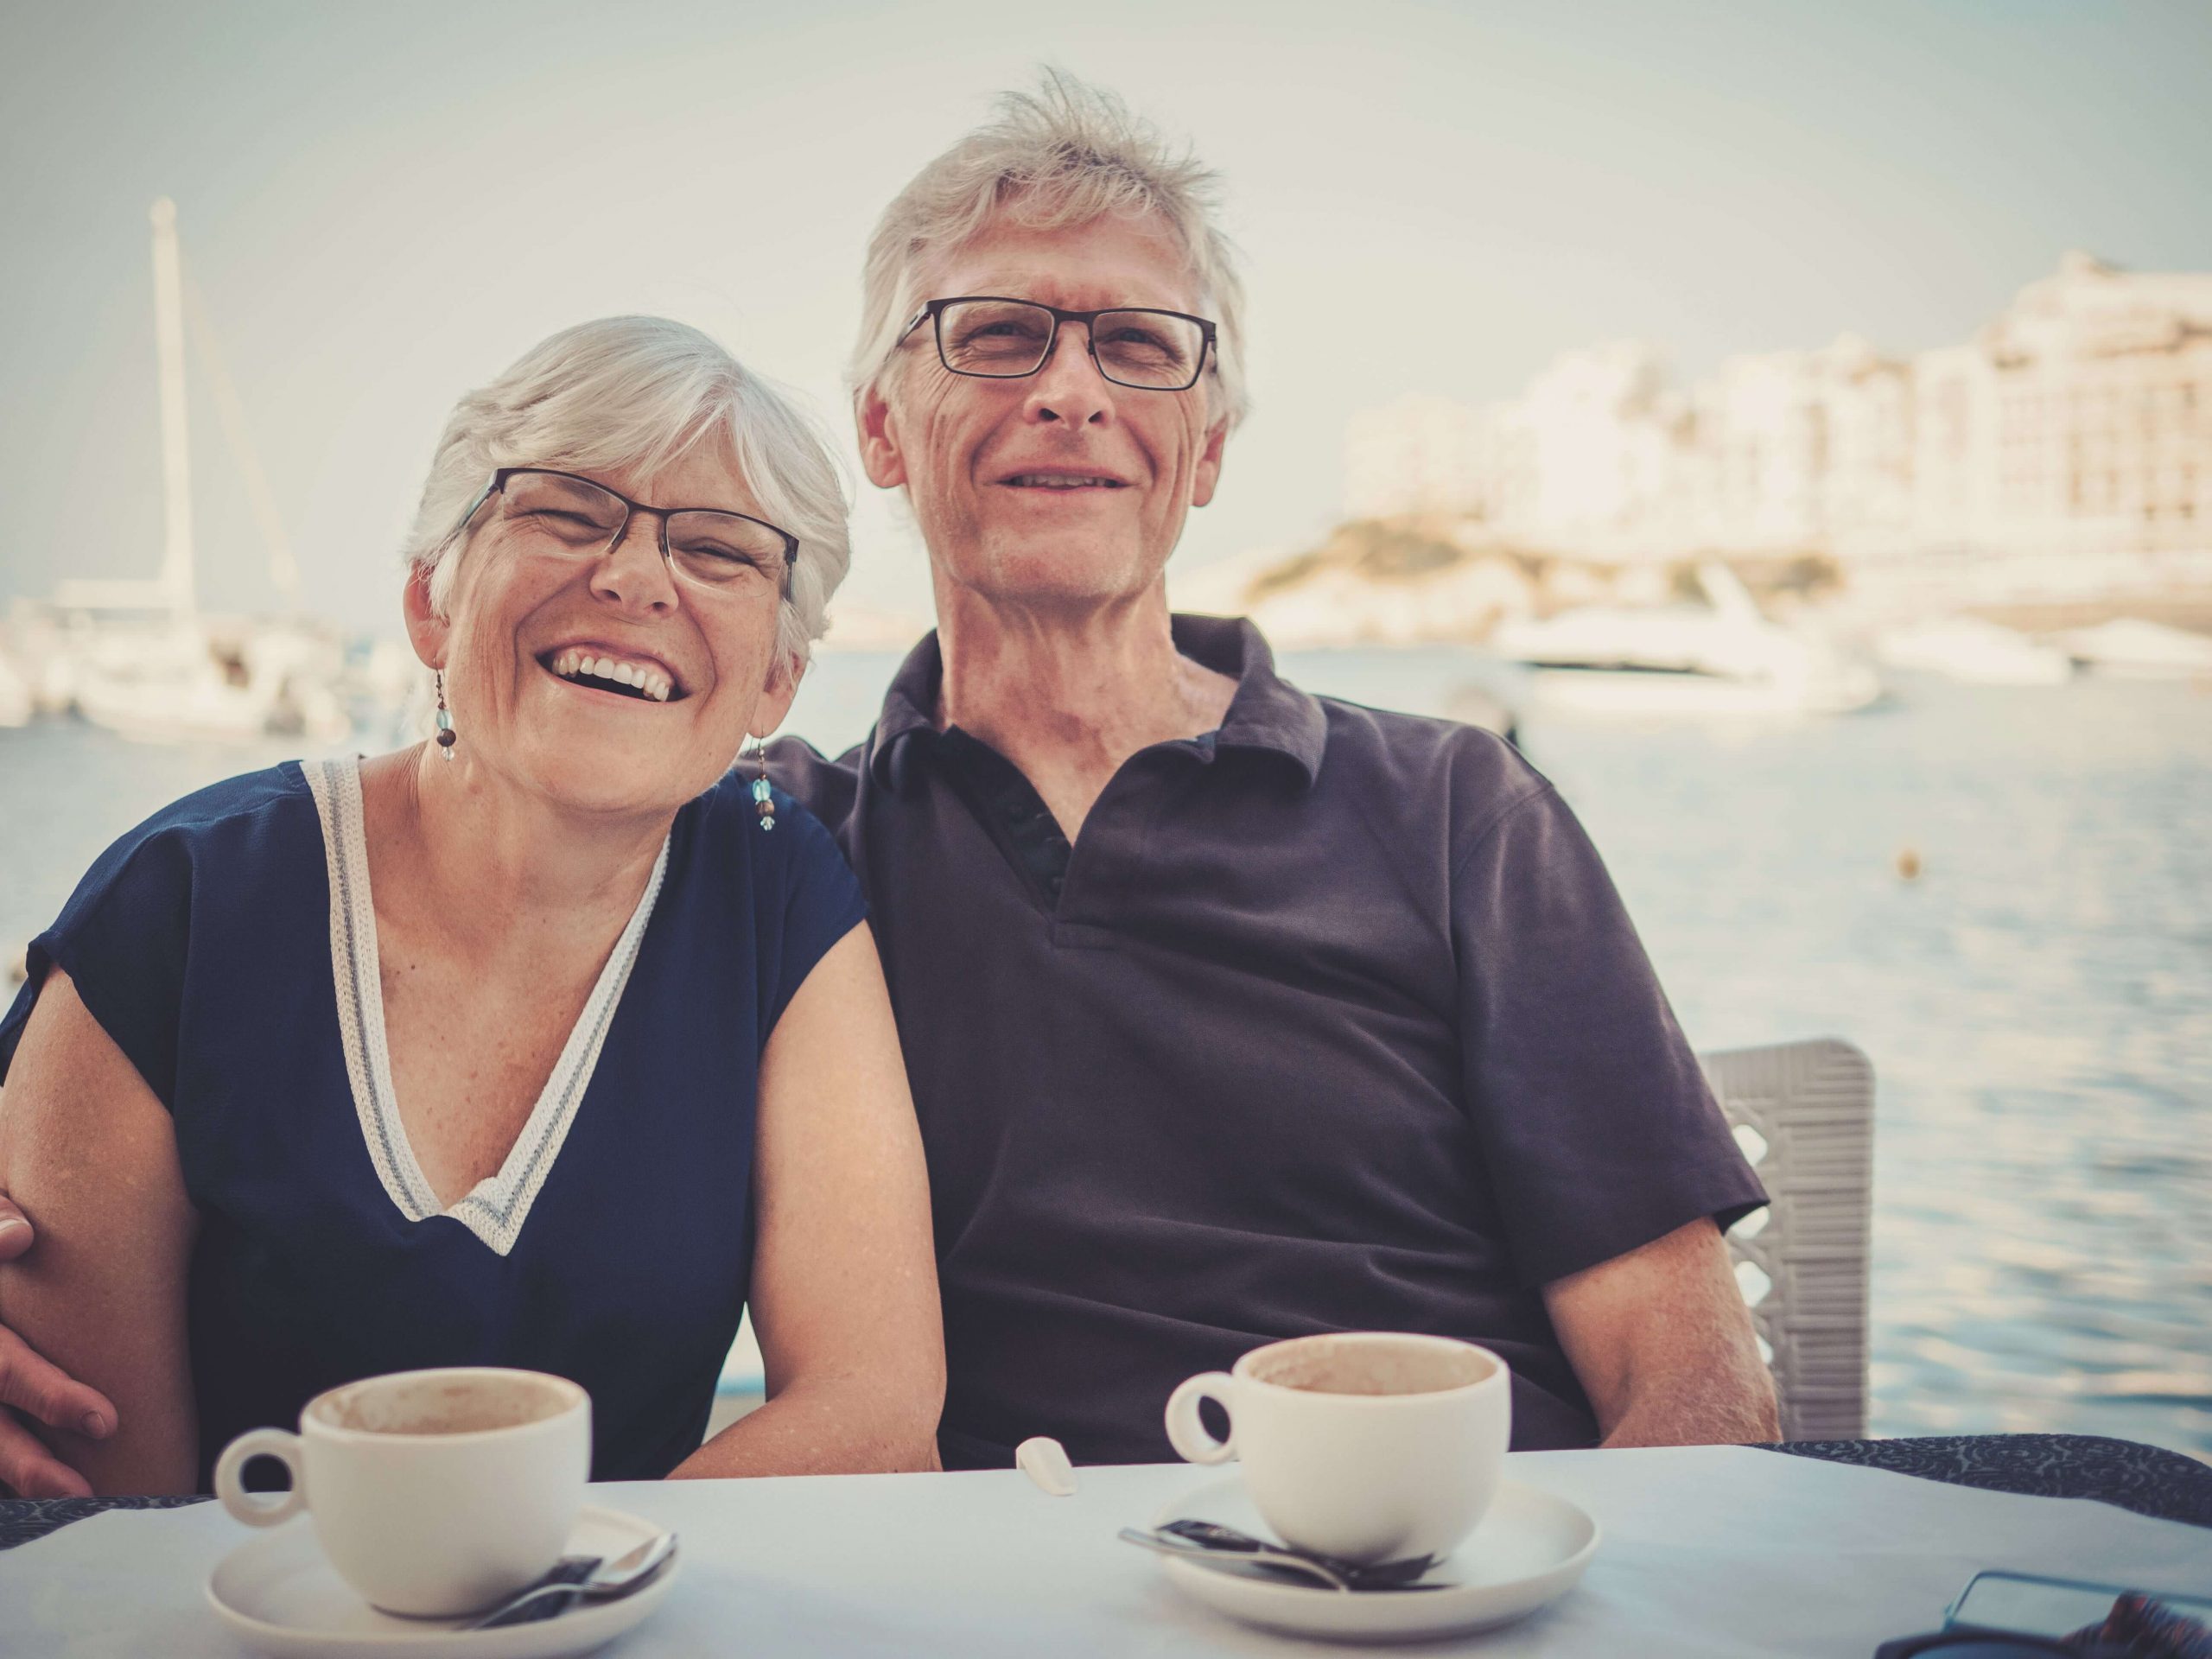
(1004, 339)
(556, 514)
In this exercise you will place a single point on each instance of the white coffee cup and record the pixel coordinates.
(1369, 1445)
(435, 1493)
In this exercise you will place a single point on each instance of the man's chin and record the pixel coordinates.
(1027, 572)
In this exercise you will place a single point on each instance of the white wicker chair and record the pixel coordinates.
(1811, 1104)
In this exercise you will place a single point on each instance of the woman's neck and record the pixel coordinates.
(495, 868)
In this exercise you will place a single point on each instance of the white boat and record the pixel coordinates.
(1719, 658)
(14, 695)
(164, 681)
(2133, 649)
(136, 656)
(1975, 652)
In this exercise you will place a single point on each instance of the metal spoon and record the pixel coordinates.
(1206, 1555)
(604, 1582)
(1379, 1575)
(1225, 1547)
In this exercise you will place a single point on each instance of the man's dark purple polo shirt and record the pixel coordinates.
(1330, 1020)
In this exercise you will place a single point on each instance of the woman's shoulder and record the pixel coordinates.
(788, 837)
(794, 889)
(181, 888)
(235, 837)
(243, 807)
(786, 860)
(250, 794)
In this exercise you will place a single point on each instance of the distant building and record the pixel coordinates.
(2065, 452)
(1422, 456)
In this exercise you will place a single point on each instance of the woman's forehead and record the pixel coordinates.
(705, 475)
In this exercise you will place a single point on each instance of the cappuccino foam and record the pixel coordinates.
(442, 1406)
(1317, 1366)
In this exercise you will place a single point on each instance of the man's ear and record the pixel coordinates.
(879, 457)
(1208, 477)
(426, 629)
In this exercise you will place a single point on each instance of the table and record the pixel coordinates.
(2147, 1479)
(1709, 1552)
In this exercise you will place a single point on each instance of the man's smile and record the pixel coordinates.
(1063, 478)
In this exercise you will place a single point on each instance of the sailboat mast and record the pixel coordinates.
(176, 459)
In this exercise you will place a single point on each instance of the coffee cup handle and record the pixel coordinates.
(1186, 1432)
(257, 1510)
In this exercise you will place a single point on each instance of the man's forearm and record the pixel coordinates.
(1663, 1344)
(1700, 1408)
(841, 1426)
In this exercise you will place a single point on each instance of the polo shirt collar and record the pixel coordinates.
(1268, 714)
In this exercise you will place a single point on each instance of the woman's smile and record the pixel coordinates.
(621, 674)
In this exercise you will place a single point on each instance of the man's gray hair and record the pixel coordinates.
(627, 393)
(1067, 154)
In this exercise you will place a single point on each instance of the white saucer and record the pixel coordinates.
(1530, 1549)
(280, 1596)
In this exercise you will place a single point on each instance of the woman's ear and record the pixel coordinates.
(776, 698)
(426, 629)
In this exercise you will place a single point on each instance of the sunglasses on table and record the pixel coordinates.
(2118, 1624)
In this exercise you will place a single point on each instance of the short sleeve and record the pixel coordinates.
(1599, 1130)
(125, 939)
(807, 899)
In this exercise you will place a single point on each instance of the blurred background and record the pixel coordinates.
(1794, 420)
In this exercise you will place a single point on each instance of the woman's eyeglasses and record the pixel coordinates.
(565, 515)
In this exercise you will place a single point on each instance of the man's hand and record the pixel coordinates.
(1663, 1344)
(30, 1384)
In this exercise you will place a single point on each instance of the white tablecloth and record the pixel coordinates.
(1709, 1552)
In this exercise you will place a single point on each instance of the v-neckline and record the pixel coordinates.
(496, 1207)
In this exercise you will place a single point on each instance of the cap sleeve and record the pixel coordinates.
(806, 899)
(123, 940)
(1598, 1127)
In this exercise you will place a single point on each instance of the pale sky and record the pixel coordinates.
(382, 205)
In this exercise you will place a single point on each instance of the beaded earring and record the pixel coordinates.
(762, 803)
(445, 719)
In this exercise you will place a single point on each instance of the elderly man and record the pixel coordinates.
(1231, 1013)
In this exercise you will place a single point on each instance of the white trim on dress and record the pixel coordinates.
(496, 1207)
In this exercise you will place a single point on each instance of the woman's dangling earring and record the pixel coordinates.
(762, 805)
(445, 718)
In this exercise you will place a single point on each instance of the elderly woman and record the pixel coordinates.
(552, 1045)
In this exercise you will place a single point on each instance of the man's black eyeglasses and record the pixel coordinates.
(992, 338)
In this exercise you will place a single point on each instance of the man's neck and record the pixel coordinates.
(1068, 693)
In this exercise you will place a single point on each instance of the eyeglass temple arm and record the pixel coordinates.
(474, 507)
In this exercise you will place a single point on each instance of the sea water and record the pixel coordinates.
(2003, 895)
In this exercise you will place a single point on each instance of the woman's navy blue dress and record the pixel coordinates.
(228, 947)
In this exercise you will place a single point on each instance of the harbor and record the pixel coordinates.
(1880, 672)
(2033, 993)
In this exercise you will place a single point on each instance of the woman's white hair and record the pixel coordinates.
(1068, 153)
(626, 393)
